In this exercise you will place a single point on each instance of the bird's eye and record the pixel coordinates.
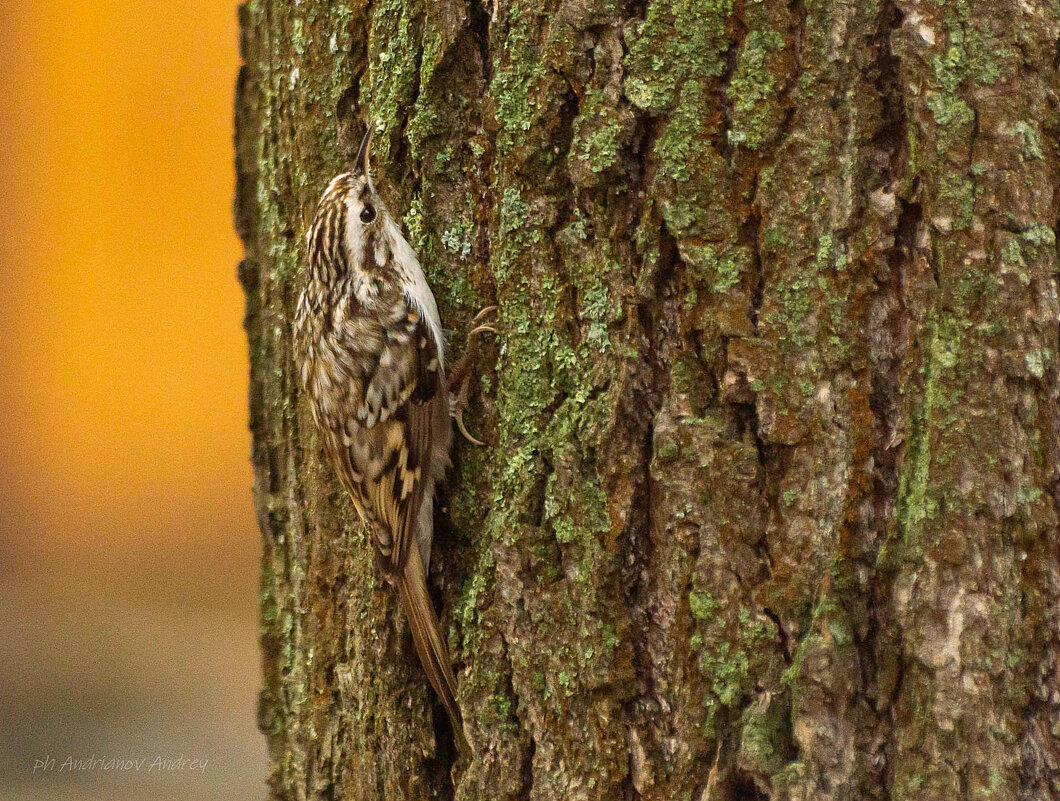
(367, 214)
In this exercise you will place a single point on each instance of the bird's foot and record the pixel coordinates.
(460, 375)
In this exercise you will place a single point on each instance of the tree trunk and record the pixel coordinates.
(768, 506)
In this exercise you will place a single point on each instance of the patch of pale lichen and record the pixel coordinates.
(515, 84)
(675, 51)
(672, 64)
(394, 52)
(733, 651)
(675, 56)
(756, 112)
(601, 130)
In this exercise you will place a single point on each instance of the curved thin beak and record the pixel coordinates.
(364, 153)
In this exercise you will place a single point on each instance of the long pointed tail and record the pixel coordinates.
(428, 639)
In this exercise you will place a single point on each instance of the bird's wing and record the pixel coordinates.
(385, 447)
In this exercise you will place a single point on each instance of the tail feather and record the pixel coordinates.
(427, 638)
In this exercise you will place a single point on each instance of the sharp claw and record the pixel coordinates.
(460, 399)
(483, 313)
(463, 430)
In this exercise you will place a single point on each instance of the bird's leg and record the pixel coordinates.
(460, 375)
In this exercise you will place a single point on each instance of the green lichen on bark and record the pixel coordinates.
(768, 504)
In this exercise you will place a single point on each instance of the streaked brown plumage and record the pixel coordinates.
(371, 358)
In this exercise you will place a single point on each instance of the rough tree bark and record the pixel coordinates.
(769, 502)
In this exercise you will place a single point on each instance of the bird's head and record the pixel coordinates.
(352, 228)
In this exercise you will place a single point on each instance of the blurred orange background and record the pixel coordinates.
(128, 549)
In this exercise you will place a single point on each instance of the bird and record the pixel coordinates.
(370, 354)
